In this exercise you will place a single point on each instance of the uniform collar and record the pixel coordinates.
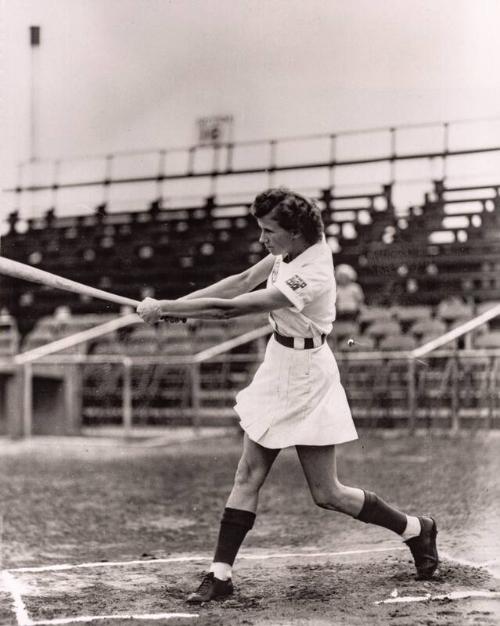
(311, 251)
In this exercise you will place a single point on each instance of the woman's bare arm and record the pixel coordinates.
(237, 284)
(260, 301)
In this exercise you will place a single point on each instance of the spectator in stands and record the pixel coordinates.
(453, 307)
(350, 296)
(296, 397)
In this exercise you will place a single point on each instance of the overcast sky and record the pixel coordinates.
(122, 74)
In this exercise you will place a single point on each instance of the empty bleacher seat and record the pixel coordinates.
(383, 328)
(428, 327)
(398, 342)
(410, 314)
(490, 339)
(452, 309)
(371, 314)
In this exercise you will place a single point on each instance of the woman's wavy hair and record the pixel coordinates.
(292, 211)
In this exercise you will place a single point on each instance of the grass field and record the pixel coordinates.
(103, 530)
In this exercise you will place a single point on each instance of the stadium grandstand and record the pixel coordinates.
(409, 208)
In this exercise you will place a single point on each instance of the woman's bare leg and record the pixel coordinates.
(320, 468)
(238, 518)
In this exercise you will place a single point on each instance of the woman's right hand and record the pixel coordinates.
(149, 310)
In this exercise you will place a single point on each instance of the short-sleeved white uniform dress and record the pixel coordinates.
(296, 397)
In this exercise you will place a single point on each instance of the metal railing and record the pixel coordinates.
(46, 355)
(385, 389)
(413, 360)
(408, 376)
(331, 155)
(449, 387)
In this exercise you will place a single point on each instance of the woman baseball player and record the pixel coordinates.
(296, 398)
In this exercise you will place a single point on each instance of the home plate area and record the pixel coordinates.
(352, 587)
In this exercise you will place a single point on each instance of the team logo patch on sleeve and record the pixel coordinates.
(296, 282)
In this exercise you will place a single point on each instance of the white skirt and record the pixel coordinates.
(296, 398)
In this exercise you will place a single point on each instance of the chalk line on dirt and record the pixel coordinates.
(186, 559)
(453, 595)
(122, 616)
(14, 587)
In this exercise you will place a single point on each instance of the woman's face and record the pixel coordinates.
(274, 237)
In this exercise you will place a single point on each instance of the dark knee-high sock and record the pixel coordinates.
(234, 526)
(376, 511)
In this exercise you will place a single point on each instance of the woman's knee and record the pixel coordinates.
(250, 475)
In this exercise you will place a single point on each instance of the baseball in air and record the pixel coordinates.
(350, 342)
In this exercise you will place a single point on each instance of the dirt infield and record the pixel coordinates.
(99, 528)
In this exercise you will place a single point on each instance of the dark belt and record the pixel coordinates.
(299, 343)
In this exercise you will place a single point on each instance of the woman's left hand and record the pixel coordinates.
(150, 310)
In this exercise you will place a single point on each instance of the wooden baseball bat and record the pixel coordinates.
(35, 275)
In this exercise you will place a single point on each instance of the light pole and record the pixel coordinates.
(34, 44)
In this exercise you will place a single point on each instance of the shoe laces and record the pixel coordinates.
(206, 582)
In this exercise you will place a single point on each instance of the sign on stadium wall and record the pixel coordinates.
(215, 130)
